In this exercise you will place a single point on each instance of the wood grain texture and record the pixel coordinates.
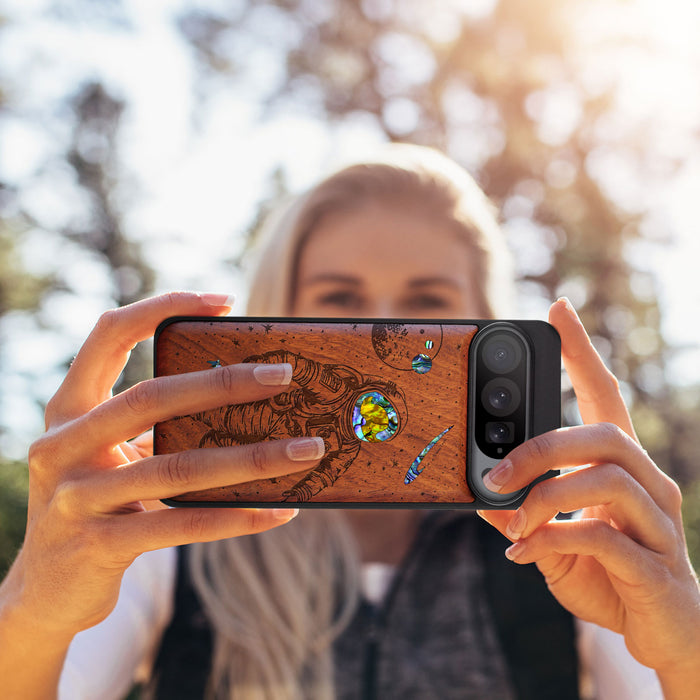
(353, 385)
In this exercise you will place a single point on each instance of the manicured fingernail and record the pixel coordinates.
(515, 550)
(273, 375)
(516, 525)
(285, 514)
(304, 449)
(569, 306)
(499, 476)
(218, 299)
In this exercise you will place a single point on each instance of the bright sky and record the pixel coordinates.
(195, 186)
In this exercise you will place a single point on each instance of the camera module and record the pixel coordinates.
(501, 389)
(514, 368)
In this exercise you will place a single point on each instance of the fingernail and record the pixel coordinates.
(273, 375)
(569, 306)
(499, 476)
(218, 299)
(285, 514)
(304, 449)
(515, 550)
(516, 525)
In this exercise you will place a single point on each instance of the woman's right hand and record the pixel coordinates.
(88, 516)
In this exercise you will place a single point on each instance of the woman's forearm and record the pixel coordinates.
(681, 683)
(31, 656)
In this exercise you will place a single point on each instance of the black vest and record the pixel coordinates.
(415, 645)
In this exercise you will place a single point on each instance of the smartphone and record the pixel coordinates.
(413, 413)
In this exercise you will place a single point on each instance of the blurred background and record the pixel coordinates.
(140, 143)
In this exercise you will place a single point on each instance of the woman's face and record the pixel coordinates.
(385, 261)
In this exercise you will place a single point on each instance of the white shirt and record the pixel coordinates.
(104, 661)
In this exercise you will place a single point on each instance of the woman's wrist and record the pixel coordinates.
(33, 653)
(681, 683)
(681, 680)
(18, 618)
(31, 664)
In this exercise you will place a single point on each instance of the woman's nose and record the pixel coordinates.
(384, 308)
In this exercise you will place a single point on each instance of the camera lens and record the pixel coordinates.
(499, 432)
(500, 396)
(502, 353)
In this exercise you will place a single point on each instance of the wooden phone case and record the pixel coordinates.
(388, 398)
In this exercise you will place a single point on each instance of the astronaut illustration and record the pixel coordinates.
(331, 401)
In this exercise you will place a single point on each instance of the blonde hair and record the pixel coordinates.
(404, 174)
(277, 600)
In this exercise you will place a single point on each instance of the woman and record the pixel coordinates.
(412, 236)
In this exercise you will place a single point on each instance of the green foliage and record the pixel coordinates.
(18, 289)
(691, 521)
(14, 484)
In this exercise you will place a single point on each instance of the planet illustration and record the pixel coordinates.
(421, 364)
(407, 347)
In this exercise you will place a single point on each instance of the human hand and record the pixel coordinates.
(624, 563)
(88, 517)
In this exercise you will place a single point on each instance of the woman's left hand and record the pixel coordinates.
(623, 564)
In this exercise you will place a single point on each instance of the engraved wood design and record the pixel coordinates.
(388, 399)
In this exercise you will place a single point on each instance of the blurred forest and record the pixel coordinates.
(505, 88)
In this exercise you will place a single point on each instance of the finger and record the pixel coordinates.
(596, 388)
(497, 518)
(579, 445)
(138, 448)
(614, 550)
(606, 486)
(143, 444)
(140, 407)
(156, 529)
(102, 357)
(131, 452)
(165, 476)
